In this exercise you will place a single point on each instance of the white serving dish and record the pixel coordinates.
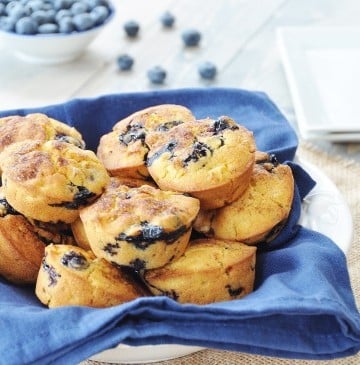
(321, 66)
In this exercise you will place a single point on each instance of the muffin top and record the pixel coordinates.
(70, 275)
(36, 126)
(158, 117)
(60, 172)
(142, 215)
(199, 155)
(125, 147)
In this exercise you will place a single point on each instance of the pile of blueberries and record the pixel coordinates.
(157, 74)
(31, 17)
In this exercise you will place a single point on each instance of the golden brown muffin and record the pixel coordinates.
(36, 126)
(21, 250)
(260, 213)
(210, 271)
(140, 227)
(123, 151)
(78, 227)
(50, 181)
(210, 159)
(70, 275)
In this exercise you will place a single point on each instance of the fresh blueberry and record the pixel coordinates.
(66, 25)
(7, 24)
(207, 70)
(62, 4)
(100, 14)
(26, 25)
(48, 28)
(93, 3)
(63, 13)
(156, 74)
(50, 15)
(125, 62)
(34, 5)
(131, 28)
(12, 5)
(167, 19)
(16, 12)
(83, 21)
(79, 8)
(191, 37)
(40, 16)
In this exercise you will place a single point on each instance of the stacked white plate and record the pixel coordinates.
(322, 66)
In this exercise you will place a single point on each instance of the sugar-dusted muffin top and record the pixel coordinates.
(139, 227)
(210, 270)
(36, 126)
(70, 275)
(49, 181)
(260, 213)
(123, 151)
(114, 183)
(200, 156)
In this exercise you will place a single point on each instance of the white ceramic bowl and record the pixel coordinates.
(52, 48)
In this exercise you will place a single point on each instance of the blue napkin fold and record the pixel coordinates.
(302, 305)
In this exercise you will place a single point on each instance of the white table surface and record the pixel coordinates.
(239, 36)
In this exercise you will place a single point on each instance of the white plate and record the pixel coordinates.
(322, 68)
(323, 210)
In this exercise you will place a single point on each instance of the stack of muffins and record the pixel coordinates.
(170, 205)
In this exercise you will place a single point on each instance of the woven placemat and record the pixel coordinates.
(345, 174)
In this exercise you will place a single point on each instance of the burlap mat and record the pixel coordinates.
(345, 174)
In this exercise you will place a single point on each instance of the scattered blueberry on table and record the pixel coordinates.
(207, 70)
(156, 75)
(125, 62)
(33, 17)
(191, 37)
(131, 28)
(167, 19)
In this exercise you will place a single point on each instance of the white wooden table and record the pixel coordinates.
(239, 36)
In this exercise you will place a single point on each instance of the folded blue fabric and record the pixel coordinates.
(302, 305)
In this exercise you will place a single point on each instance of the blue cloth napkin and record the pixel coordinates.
(302, 305)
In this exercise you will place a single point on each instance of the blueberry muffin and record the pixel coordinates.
(78, 227)
(211, 160)
(49, 181)
(260, 213)
(123, 151)
(21, 250)
(69, 275)
(210, 270)
(142, 227)
(36, 126)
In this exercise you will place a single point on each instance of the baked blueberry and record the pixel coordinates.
(132, 28)
(207, 70)
(75, 260)
(191, 37)
(156, 75)
(125, 62)
(167, 19)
